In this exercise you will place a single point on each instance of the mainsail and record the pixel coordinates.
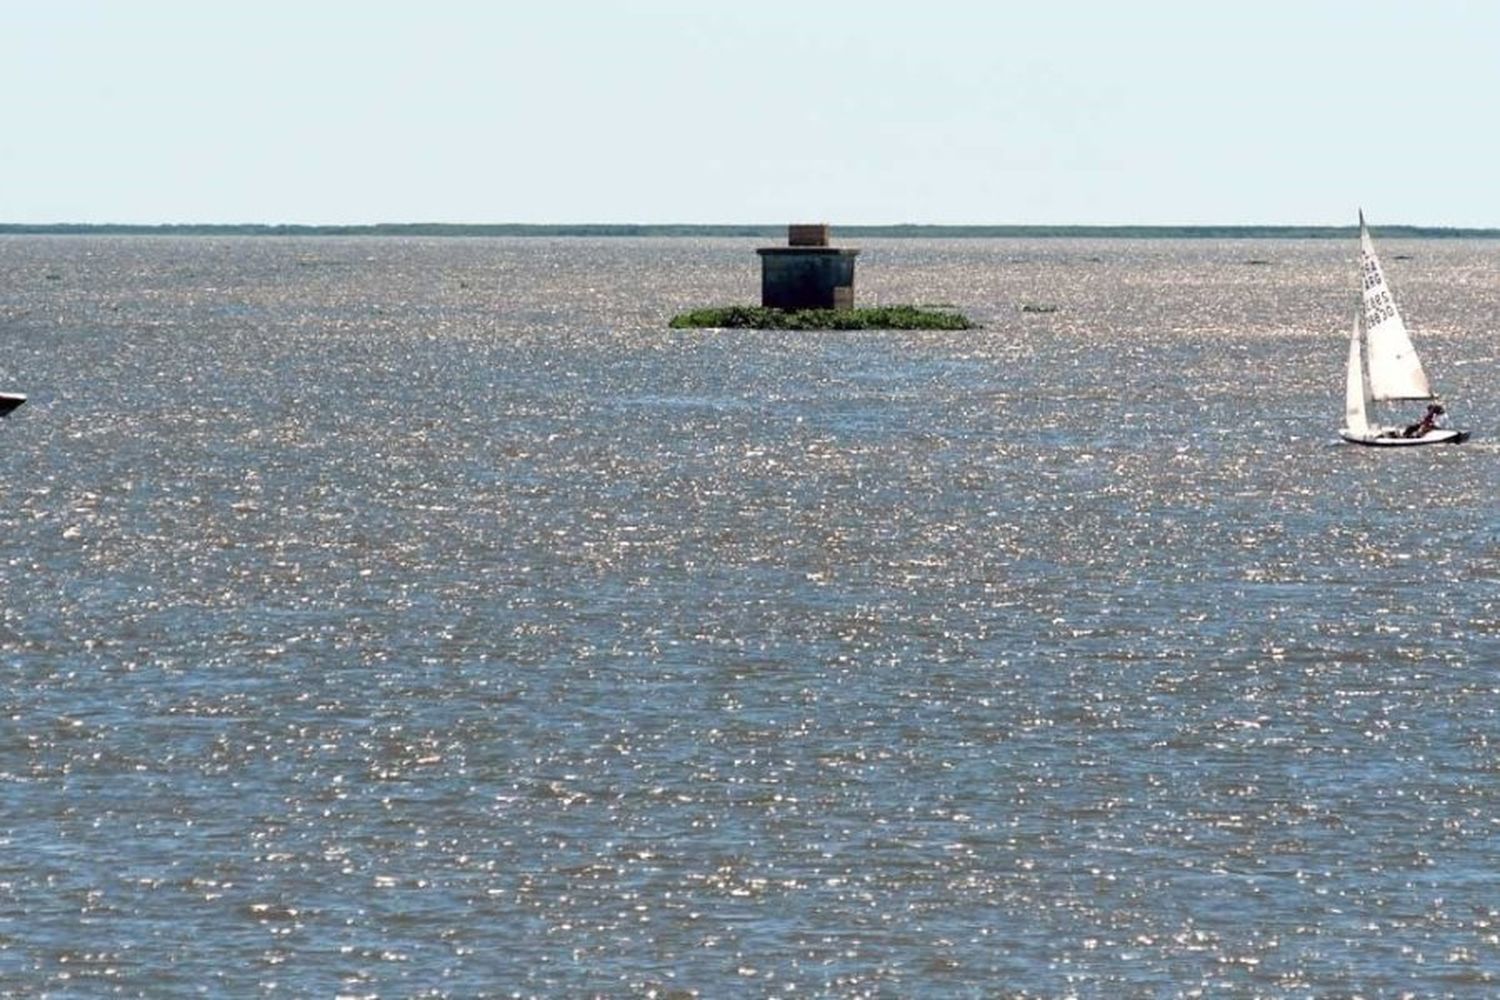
(1395, 370)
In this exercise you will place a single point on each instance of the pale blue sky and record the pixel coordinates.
(695, 111)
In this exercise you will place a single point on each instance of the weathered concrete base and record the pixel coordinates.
(807, 277)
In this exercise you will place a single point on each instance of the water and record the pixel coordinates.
(403, 618)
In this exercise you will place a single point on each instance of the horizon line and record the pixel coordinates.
(733, 229)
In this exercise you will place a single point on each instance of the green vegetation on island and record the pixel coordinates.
(874, 318)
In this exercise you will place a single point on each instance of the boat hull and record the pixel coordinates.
(10, 400)
(1393, 439)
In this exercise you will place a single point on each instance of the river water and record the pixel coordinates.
(386, 617)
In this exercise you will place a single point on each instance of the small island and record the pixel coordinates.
(872, 318)
(809, 285)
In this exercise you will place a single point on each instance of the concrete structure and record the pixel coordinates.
(807, 273)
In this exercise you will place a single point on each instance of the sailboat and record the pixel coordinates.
(10, 400)
(1383, 365)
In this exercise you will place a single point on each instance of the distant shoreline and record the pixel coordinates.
(774, 233)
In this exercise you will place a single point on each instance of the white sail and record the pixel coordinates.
(1356, 389)
(1395, 370)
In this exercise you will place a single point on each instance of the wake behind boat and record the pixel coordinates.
(1383, 366)
(10, 400)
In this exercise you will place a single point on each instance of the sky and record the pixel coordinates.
(852, 112)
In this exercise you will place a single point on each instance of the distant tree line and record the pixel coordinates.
(776, 233)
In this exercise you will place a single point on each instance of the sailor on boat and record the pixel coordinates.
(1435, 417)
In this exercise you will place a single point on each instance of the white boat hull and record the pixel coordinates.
(1393, 438)
(10, 400)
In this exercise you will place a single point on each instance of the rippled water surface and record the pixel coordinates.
(406, 618)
